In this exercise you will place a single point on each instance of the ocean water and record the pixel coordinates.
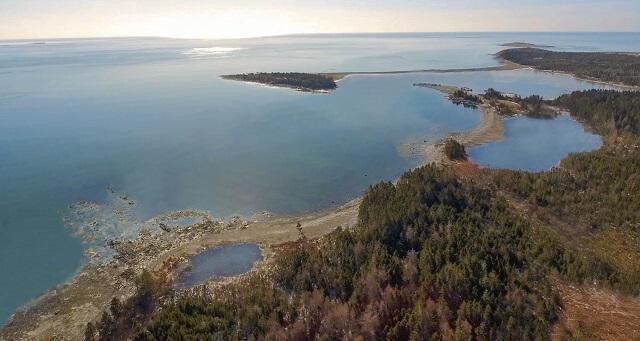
(150, 119)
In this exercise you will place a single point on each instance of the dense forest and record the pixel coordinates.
(612, 67)
(606, 111)
(594, 195)
(302, 81)
(432, 256)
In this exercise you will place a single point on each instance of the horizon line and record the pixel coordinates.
(304, 34)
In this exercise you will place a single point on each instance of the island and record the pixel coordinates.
(620, 68)
(311, 82)
(520, 44)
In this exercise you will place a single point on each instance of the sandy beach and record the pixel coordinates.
(488, 130)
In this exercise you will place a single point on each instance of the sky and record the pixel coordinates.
(34, 19)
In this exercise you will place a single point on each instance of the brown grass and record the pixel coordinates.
(600, 312)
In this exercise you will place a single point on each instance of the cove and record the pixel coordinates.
(535, 145)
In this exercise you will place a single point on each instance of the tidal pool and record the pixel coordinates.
(225, 261)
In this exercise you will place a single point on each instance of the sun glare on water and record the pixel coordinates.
(212, 52)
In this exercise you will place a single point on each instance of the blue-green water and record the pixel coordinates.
(225, 261)
(535, 144)
(151, 119)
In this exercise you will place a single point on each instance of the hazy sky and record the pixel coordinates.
(230, 19)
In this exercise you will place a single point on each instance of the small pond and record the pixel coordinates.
(225, 261)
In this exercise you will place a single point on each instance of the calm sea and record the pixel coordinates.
(150, 119)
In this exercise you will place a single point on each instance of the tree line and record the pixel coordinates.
(612, 67)
(303, 81)
(606, 111)
(431, 257)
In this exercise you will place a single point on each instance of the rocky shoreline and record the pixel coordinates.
(63, 313)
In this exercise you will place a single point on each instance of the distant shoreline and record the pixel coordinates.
(505, 65)
(523, 44)
(615, 68)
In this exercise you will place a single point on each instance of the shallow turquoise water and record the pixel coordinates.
(151, 119)
(225, 261)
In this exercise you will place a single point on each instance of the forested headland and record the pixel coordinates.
(623, 68)
(434, 256)
(297, 80)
